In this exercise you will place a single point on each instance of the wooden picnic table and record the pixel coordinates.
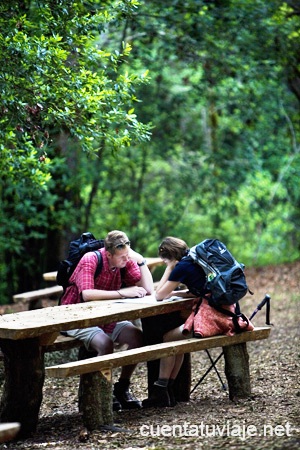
(23, 335)
(152, 263)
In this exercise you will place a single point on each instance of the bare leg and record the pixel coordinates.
(170, 366)
(102, 344)
(162, 394)
(132, 336)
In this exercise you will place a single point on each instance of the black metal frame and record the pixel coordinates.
(266, 301)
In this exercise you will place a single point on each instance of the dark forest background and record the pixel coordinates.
(176, 118)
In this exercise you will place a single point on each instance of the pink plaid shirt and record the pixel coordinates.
(108, 279)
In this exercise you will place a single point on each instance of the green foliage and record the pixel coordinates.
(53, 78)
(84, 86)
(58, 88)
(224, 122)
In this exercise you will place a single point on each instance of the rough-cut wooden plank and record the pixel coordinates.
(152, 352)
(34, 298)
(38, 294)
(29, 324)
(8, 431)
(61, 343)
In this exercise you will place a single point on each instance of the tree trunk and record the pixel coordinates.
(237, 371)
(21, 400)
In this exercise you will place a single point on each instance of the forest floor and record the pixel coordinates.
(269, 420)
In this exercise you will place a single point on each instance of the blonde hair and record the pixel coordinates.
(115, 239)
(173, 248)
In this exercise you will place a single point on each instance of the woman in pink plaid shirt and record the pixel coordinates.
(135, 280)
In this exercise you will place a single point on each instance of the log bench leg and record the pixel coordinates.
(95, 398)
(95, 401)
(237, 371)
(23, 384)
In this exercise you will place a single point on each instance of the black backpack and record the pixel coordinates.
(86, 243)
(225, 278)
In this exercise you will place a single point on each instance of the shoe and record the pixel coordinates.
(159, 398)
(116, 404)
(125, 398)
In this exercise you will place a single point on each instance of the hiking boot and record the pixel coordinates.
(124, 397)
(159, 398)
(116, 404)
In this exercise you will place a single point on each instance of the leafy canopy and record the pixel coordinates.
(53, 77)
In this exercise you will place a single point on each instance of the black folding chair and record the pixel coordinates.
(265, 301)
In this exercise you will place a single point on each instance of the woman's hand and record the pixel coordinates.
(171, 263)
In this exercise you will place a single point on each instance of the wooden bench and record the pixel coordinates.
(99, 367)
(61, 343)
(34, 298)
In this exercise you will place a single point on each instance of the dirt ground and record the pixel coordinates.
(268, 420)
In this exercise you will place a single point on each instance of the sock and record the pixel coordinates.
(162, 382)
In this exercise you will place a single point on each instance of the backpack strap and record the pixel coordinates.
(100, 263)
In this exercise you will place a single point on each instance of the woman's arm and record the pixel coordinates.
(165, 277)
(167, 290)
(165, 287)
(146, 280)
